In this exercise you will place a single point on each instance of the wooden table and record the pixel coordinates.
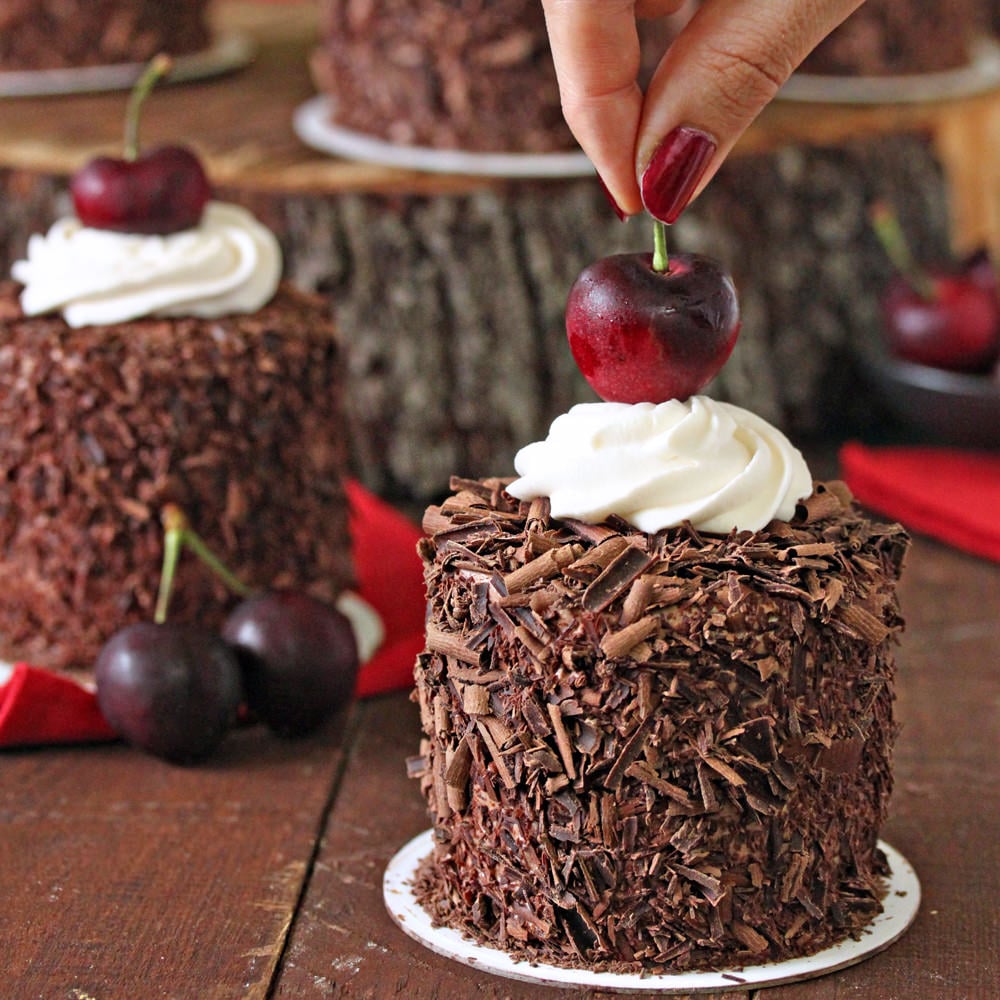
(259, 874)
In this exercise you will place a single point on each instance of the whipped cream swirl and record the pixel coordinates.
(657, 465)
(228, 263)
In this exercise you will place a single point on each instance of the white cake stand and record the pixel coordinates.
(902, 900)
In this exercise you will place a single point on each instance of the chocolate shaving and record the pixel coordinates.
(629, 752)
(616, 577)
(475, 700)
(620, 643)
(562, 739)
(550, 563)
(644, 773)
(439, 641)
(863, 624)
(494, 751)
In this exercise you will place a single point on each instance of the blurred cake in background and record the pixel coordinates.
(451, 75)
(63, 34)
(197, 378)
(899, 37)
(438, 74)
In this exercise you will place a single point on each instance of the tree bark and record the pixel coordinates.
(451, 306)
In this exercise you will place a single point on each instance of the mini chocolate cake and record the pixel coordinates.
(442, 74)
(899, 37)
(61, 34)
(656, 752)
(238, 420)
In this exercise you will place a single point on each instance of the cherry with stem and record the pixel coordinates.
(944, 317)
(652, 327)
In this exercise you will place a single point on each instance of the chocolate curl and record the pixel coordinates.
(549, 564)
(620, 643)
(864, 624)
(562, 739)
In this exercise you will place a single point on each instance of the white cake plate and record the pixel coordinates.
(312, 124)
(230, 51)
(901, 903)
(979, 76)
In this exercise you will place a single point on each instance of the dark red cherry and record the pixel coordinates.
(172, 690)
(299, 658)
(956, 326)
(159, 192)
(644, 335)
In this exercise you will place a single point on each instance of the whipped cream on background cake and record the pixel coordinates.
(229, 263)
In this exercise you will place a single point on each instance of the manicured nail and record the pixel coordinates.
(673, 172)
(611, 201)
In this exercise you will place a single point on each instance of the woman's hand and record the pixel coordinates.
(657, 150)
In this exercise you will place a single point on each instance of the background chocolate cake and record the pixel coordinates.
(237, 419)
(61, 34)
(662, 752)
(897, 37)
(449, 74)
(442, 73)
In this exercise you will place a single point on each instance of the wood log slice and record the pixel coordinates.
(451, 304)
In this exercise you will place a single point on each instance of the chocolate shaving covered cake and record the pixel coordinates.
(899, 37)
(62, 34)
(442, 74)
(657, 739)
(137, 371)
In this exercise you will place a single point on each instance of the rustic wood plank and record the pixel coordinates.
(122, 876)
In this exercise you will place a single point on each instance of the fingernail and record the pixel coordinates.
(611, 201)
(673, 172)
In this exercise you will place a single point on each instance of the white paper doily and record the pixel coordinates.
(230, 51)
(901, 903)
(312, 124)
(980, 75)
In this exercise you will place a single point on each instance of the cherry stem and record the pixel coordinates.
(661, 259)
(158, 67)
(890, 234)
(177, 532)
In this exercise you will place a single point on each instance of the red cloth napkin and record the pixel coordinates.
(38, 706)
(948, 494)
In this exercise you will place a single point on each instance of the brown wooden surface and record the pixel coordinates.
(259, 874)
(242, 125)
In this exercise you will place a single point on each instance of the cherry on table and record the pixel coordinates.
(299, 658)
(170, 689)
(642, 328)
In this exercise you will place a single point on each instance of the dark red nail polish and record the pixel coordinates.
(611, 200)
(673, 172)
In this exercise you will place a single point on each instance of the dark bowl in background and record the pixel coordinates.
(947, 407)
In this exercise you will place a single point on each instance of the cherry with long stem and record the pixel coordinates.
(159, 66)
(889, 232)
(178, 533)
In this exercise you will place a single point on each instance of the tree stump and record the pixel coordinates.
(451, 305)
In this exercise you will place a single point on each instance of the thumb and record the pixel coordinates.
(725, 66)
